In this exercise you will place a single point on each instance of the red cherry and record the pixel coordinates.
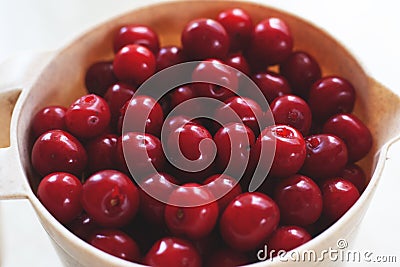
(205, 38)
(329, 96)
(134, 64)
(192, 211)
(110, 198)
(248, 221)
(226, 257)
(88, 116)
(239, 62)
(287, 238)
(116, 243)
(116, 96)
(172, 123)
(58, 151)
(181, 94)
(326, 156)
(60, 193)
(101, 153)
(354, 174)
(353, 132)
(338, 197)
(299, 199)
(224, 188)
(168, 56)
(83, 226)
(99, 77)
(292, 110)
(271, 41)
(48, 118)
(301, 70)
(238, 25)
(172, 251)
(136, 34)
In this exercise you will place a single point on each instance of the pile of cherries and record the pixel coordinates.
(81, 151)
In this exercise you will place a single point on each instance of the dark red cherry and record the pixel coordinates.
(48, 118)
(116, 96)
(353, 173)
(99, 77)
(136, 34)
(287, 238)
(271, 85)
(224, 188)
(101, 153)
(168, 56)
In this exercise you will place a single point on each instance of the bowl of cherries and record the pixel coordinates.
(200, 134)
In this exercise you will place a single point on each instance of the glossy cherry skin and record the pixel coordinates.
(181, 94)
(338, 197)
(299, 199)
(329, 96)
(101, 153)
(171, 123)
(172, 251)
(136, 34)
(239, 25)
(116, 96)
(192, 211)
(134, 64)
(110, 198)
(221, 80)
(292, 110)
(99, 77)
(248, 221)
(354, 174)
(301, 70)
(48, 118)
(353, 132)
(139, 154)
(326, 156)
(225, 257)
(155, 187)
(233, 143)
(83, 226)
(287, 238)
(241, 110)
(141, 113)
(239, 62)
(271, 41)
(168, 56)
(204, 38)
(60, 193)
(224, 188)
(116, 243)
(290, 150)
(58, 151)
(271, 85)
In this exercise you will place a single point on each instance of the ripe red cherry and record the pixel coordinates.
(226, 257)
(326, 156)
(101, 153)
(248, 221)
(299, 199)
(141, 114)
(205, 38)
(233, 143)
(239, 25)
(271, 41)
(338, 197)
(134, 64)
(172, 123)
(48, 118)
(153, 190)
(224, 188)
(60, 193)
(329, 96)
(88, 116)
(139, 154)
(136, 34)
(99, 77)
(290, 150)
(172, 251)
(292, 110)
(116, 96)
(116, 243)
(239, 62)
(287, 238)
(110, 198)
(83, 226)
(181, 94)
(353, 132)
(168, 56)
(271, 85)
(354, 174)
(214, 71)
(192, 211)
(58, 151)
(301, 70)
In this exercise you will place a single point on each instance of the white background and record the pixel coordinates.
(370, 29)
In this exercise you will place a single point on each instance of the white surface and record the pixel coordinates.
(371, 29)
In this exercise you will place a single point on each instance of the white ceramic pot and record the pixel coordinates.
(60, 81)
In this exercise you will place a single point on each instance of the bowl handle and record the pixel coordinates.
(15, 73)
